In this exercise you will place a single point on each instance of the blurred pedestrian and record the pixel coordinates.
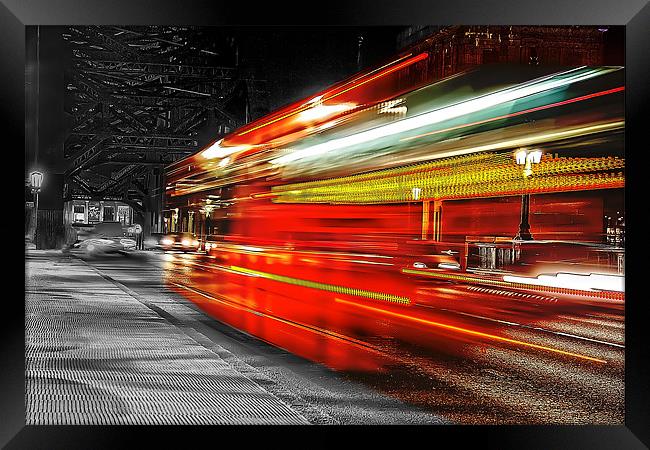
(139, 241)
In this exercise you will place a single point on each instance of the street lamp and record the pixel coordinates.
(526, 158)
(207, 210)
(36, 180)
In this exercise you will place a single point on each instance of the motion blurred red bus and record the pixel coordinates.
(350, 221)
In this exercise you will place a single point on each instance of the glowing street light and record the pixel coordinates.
(526, 157)
(205, 230)
(36, 181)
(208, 208)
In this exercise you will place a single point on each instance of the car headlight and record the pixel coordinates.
(167, 241)
(195, 243)
(185, 242)
(208, 246)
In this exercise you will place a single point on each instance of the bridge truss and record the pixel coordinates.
(139, 98)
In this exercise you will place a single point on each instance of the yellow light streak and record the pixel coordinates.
(478, 175)
(325, 287)
(471, 332)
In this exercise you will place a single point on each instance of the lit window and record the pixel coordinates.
(79, 213)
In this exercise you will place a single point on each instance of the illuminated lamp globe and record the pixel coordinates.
(535, 156)
(36, 180)
(520, 157)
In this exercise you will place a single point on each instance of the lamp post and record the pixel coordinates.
(36, 180)
(526, 158)
(208, 211)
(203, 235)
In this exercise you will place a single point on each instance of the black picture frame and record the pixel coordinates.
(15, 15)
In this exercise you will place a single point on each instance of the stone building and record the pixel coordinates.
(457, 48)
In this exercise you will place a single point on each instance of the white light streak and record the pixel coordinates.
(591, 282)
(322, 111)
(440, 115)
(217, 151)
(534, 139)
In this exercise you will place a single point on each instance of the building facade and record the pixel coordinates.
(458, 48)
(89, 212)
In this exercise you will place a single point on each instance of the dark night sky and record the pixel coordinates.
(298, 61)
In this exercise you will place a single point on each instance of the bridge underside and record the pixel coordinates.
(140, 98)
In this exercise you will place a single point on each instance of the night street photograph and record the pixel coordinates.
(328, 225)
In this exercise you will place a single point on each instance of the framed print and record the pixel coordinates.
(375, 214)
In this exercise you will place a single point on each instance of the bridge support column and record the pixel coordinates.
(437, 219)
(425, 220)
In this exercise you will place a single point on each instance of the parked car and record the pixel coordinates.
(184, 242)
(104, 238)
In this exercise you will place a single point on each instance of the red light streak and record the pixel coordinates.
(317, 330)
(470, 332)
(406, 63)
